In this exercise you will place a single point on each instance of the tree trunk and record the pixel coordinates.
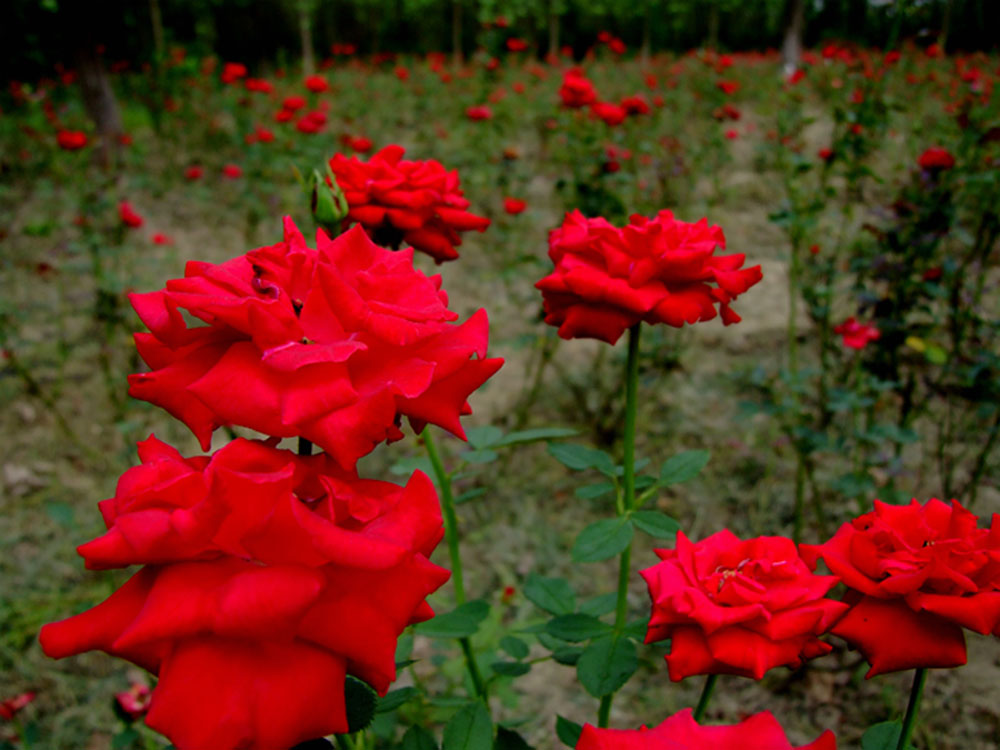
(156, 19)
(713, 24)
(791, 47)
(553, 29)
(456, 31)
(306, 36)
(644, 50)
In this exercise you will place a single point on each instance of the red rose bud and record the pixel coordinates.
(514, 206)
(333, 344)
(917, 575)
(128, 215)
(936, 158)
(134, 702)
(681, 732)
(268, 578)
(71, 140)
(738, 607)
(855, 335)
(417, 202)
(658, 270)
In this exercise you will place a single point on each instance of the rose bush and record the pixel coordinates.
(917, 575)
(681, 732)
(657, 270)
(738, 607)
(417, 202)
(332, 344)
(269, 577)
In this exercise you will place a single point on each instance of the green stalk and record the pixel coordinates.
(628, 504)
(706, 696)
(451, 535)
(919, 678)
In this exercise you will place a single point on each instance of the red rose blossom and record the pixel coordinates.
(936, 158)
(738, 607)
(635, 105)
(269, 577)
(232, 171)
(514, 206)
(577, 91)
(728, 87)
(316, 84)
(12, 706)
(681, 732)
(395, 200)
(71, 140)
(917, 575)
(856, 335)
(333, 344)
(194, 172)
(128, 215)
(134, 701)
(480, 112)
(610, 113)
(232, 72)
(293, 103)
(658, 270)
(162, 239)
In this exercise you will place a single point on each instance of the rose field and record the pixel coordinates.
(599, 396)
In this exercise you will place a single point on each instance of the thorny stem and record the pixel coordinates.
(628, 480)
(919, 678)
(451, 535)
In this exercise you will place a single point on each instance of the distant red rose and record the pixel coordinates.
(611, 114)
(284, 115)
(577, 91)
(516, 45)
(193, 172)
(401, 73)
(617, 46)
(825, 154)
(728, 87)
(635, 105)
(936, 158)
(658, 270)
(161, 239)
(916, 576)
(335, 344)
(360, 144)
(681, 732)
(11, 706)
(308, 125)
(71, 140)
(293, 103)
(480, 112)
(732, 134)
(232, 171)
(514, 206)
(263, 135)
(317, 84)
(134, 701)
(856, 335)
(258, 85)
(128, 215)
(738, 607)
(396, 200)
(232, 72)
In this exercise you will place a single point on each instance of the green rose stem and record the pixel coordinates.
(628, 502)
(451, 534)
(706, 696)
(919, 678)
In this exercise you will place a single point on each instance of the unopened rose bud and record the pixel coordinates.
(328, 204)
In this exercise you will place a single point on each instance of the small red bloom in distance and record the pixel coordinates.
(514, 206)
(936, 158)
(128, 215)
(855, 335)
(71, 140)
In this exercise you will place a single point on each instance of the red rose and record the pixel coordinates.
(263, 135)
(728, 87)
(917, 575)
(317, 84)
(360, 144)
(610, 113)
(516, 45)
(480, 112)
(635, 105)
(732, 134)
(308, 124)
(71, 140)
(738, 607)
(659, 270)
(267, 580)
(128, 215)
(333, 345)
(514, 206)
(856, 335)
(284, 115)
(576, 91)
(825, 154)
(162, 239)
(232, 171)
(11, 706)
(232, 72)
(258, 85)
(418, 202)
(135, 700)
(194, 172)
(936, 158)
(293, 103)
(617, 46)
(681, 732)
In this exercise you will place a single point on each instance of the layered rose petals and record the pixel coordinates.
(332, 344)
(658, 270)
(417, 202)
(681, 732)
(738, 607)
(917, 575)
(269, 577)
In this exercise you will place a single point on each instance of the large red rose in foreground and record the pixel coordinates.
(417, 202)
(738, 607)
(332, 344)
(267, 581)
(658, 270)
(681, 732)
(917, 575)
